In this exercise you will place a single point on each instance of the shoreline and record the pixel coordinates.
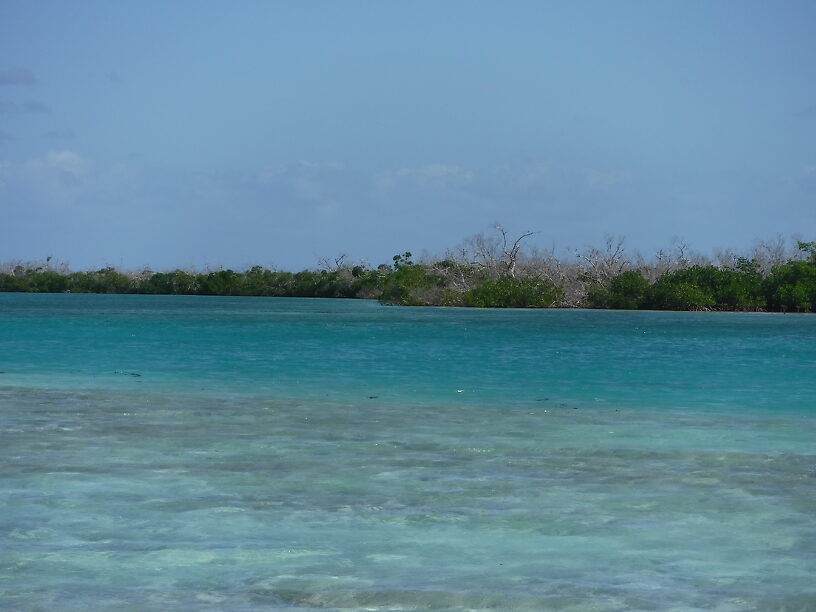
(435, 306)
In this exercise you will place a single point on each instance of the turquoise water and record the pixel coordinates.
(189, 453)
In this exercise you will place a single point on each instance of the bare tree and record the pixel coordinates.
(602, 265)
(770, 253)
(511, 252)
(562, 273)
(18, 266)
(726, 259)
(332, 265)
(678, 257)
(458, 269)
(491, 254)
(482, 252)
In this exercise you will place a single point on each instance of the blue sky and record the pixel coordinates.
(201, 133)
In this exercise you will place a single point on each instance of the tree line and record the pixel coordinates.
(490, 270)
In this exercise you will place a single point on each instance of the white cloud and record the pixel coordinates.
(64, 179)
(550, 178)
(330, 165)
(603, 180)
(277, 173)
(428, 176)
(55, 178)
(306, 188)
(319, 185)
(807, 177)
(65, 161)
(270, 174)
(535, 173)
(329, 210)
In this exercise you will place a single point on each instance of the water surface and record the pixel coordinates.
(190, 453)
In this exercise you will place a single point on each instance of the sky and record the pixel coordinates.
(200, 133)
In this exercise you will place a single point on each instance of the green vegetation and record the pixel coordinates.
(626, 291)
(509, 292)
(410, 284)
(792, 286)
(707, 288)
(488, 273)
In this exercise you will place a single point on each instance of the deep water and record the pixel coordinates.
(193, 453)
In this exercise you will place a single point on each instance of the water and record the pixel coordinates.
(175, 453)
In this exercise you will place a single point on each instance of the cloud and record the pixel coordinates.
(600, 180)
(330, 165)
(807, 177)
(65, 185)
(7, 107)
(32, 106)
(55, 179)
(304, 180)
(67, 161)
(64, 202)
(428, 176)
(547, 176)
(17, 76)
(807, 111)
(66, 134)
(277, 171)
(329, 210)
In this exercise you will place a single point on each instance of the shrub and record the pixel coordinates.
(792, 287)
(628, 290)
(411, 285)
(509, 292)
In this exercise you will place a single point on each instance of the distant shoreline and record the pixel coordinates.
(490, 275)
(440, 307)
(332, 291)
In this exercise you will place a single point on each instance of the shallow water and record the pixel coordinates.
(174, 453)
